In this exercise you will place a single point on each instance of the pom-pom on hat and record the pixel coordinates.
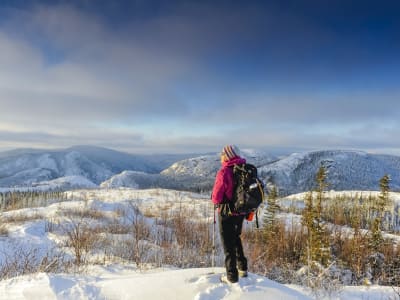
(230, 151)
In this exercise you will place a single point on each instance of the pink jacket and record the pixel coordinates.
(223, 186)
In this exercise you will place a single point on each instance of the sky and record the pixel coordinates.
(145, 76)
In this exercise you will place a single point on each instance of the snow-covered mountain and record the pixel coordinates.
(85, 166)
(347, 170)
(199, 173)
(135, 179)
(189, 174)
(196, 173)
(66, 183)
(27, 167)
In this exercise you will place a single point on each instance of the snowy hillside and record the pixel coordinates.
(134, 179)
(65, 183)
(196, 174)
(117, 282)
(30, 167)
(32, 233)
(207, 166)
(347, 170)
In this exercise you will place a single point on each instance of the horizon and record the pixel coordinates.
(281, 153)
(190, 77)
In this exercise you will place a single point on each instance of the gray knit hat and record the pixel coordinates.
(231, 151)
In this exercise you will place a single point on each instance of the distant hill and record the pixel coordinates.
(346, 170)
(85, 166)
(27, 167)
(197, 173)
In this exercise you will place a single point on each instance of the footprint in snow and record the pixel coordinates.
(211, 288)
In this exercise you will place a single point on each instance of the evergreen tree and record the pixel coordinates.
(383, 198)
(269, 218)
(272, 208)
(376, 238)
(318, 243)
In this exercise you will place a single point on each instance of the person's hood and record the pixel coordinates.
(234, 161)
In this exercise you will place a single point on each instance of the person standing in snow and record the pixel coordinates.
(230, 224)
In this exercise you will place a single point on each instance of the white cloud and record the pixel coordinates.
(68, 77)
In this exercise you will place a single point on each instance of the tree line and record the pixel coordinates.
(334, 241)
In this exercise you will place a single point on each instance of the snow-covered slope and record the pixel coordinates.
(115, 282)
(66, 183)
(206, 166)
(203, 166)
(134, 179)
(124, 280)
(199, 173)
(347, 170)
(28, 167)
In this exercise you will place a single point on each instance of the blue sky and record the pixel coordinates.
(190, 76)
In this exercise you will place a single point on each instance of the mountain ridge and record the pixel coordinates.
(94, 163)
(107, 168)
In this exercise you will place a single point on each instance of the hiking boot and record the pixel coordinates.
(242, 273)
(225, 279)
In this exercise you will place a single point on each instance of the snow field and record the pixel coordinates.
(27, 229)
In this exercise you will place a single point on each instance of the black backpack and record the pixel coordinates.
(248, 191)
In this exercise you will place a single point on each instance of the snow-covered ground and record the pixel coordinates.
(116, 282)
(124, 280)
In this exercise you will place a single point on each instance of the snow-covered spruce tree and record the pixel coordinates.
(376, 238)
(317, 254)
(318, 250)
(324, 255)
(271, 230)
(269, 218)
(308, 222)
(384, 200)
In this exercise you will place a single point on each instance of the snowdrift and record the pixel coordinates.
(116, 283)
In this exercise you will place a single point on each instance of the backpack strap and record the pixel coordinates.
(257, 225)
(261, 188)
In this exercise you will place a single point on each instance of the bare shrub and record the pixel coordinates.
(352, 251)
(174, 238)
(20, 218)
(116, 227)
(51, 225)
(3, 230)
(150, 213)
(188, 243)
(81, 239)
(21, 260)
(275, 250)
(120, 211)
(324, 283)
(89, 213)
(140, 232)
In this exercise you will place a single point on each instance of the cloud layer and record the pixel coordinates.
(193, 76)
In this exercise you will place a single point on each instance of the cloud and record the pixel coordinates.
(62, 138)
(191, 77)
(101, 74)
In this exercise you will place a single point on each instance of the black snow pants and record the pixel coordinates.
(230, 228)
